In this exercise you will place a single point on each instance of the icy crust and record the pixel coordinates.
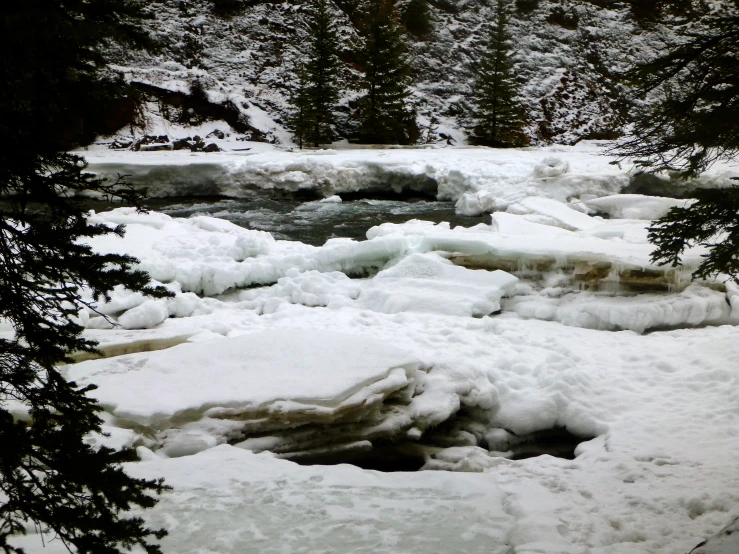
(255, 503)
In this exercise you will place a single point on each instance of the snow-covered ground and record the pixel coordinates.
(450, 347)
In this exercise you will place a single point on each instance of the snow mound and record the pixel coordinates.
(200, 254)
(551, 167)
(429, 283)
(416, 283)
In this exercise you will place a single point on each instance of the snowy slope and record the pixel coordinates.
(566, 64)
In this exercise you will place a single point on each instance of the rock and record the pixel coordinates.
(217, 134)
(182, 144)
(118, 145)
(155, 147)
(212, 147)
(725, 541)
(148, 140)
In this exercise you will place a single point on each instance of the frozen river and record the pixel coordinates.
(365, 331)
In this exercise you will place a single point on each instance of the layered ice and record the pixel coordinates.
(261, 372)
(696, 305)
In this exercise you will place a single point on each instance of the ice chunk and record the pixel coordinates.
(635, 206)
(429, 283)
(145, 316)
(273, 370)
(557, 213)
(333, 199)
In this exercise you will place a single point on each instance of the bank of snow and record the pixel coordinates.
(479, 179)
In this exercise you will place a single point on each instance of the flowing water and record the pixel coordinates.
(311, 222)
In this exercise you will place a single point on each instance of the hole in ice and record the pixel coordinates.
(557, 442)
(384, 456)
(388, 456)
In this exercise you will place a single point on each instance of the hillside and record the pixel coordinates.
(567, 53)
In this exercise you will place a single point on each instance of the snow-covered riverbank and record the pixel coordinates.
(478, 179)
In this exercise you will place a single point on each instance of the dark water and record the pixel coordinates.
(310, 222)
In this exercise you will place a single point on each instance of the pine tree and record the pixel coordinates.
(55, 88)
(301, 120)
(384, 114)
(499, 117)
(314, 101)
(416, 19)
(685, 118)
(686, 101)
(322, 73)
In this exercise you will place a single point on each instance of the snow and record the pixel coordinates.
(450, 347)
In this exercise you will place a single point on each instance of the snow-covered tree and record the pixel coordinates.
(499, 118)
